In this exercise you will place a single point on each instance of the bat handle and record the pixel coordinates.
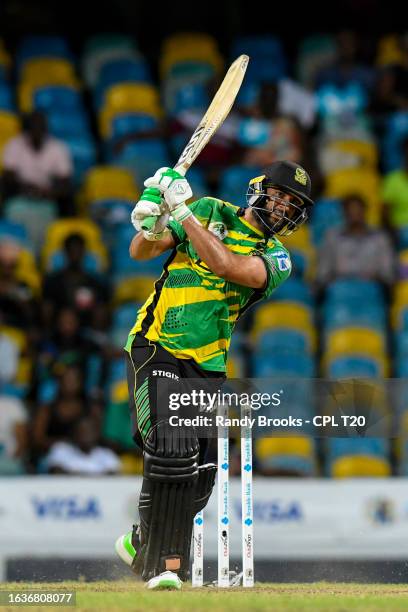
(149, 223)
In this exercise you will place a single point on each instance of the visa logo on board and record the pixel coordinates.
(66, 508)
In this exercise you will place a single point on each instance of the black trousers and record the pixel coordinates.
(149, 365)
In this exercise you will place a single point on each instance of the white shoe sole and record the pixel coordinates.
(171, 582)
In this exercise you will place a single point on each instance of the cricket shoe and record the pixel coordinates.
(129, 549)
(166, 580)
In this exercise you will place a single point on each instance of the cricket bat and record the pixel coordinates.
(214, 117)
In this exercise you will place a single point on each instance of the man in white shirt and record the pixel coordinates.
(36, 164)
(82, 456)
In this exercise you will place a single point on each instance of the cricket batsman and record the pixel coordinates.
(223, 259)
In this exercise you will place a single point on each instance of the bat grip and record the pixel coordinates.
(148, 223)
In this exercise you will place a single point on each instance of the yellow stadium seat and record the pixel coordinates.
(119, 392)
(187, 40)
(287, 315)
(131, 465)
(10, 126)
(356, 181)
(53, 68)
(302, 446)
(190, 46)
(136, 289)
(109, 182)
(360, 466)
(27, 271)
(128, 98)
(362, 154)
(19, 339)
(26, 89)
(301, 242)
(4, 56)
(400, 302)
(58, 231)
(390, 51)
(356, 340)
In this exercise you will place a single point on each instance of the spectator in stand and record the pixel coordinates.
(82, 456)
(391, 91)
(66, 346)
(13, 436)
(76, 288)
(347, 67)
(37, 165)
(356, 250)
(55, 421)
(267, 135)
(18, 306)
(395, 195)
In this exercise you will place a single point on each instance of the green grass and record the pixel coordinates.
(313, 597)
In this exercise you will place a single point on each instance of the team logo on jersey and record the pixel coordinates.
(283, 260)
(218, 229)
(300, 176)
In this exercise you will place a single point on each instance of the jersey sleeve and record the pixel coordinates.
(278, 267)
(202, 209)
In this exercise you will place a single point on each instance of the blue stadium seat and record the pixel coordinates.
(128, 124)
(327, 214)
(348, 446)
(396, 131)
(402, 233)
(345, 314)
(123, 319)
(142, 158)
(15, 231)
(65, 125)
(268, 62)
(121, 70)
(193, 96)
(353, 367)
(83, 152)
(354, 290)
(123, 265)
(337, 447)
(6, 98)
(234, 184)
(282, 341)
(289, 365)
(42, 46)
(57, 97)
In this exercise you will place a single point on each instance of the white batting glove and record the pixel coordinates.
(175, 189)
(151, 205)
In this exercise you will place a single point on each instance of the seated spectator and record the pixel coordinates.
(55, 420)
(76, 288)
(391, 91)
(347, 66)
(13, 436)
(37, 165)
(82, 456)
(66, 346)
(395, 195)
(18, 307)
(356, 250)
(267, 135)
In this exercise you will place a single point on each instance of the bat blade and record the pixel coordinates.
(215, 115)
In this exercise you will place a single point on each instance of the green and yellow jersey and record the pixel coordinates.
(192, 312)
